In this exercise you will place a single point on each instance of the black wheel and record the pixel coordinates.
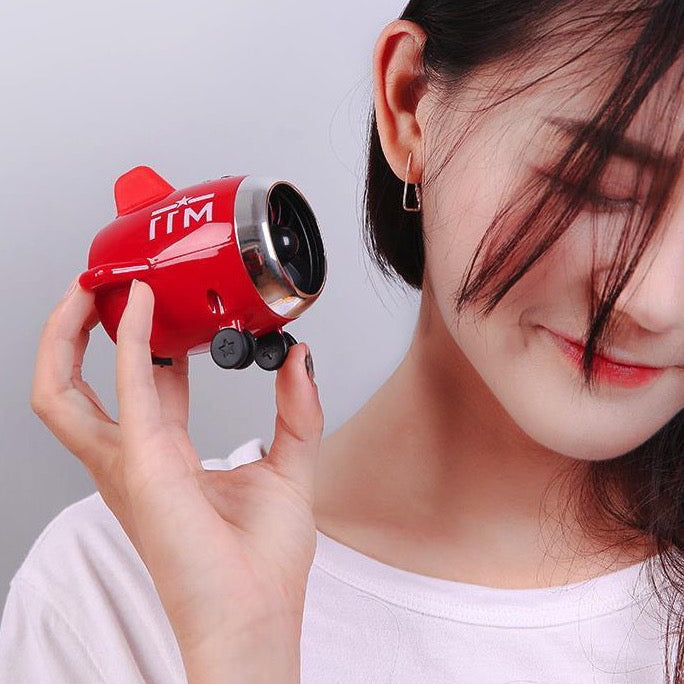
(252, 344)
(271, 351)
(289, 339)
(230, 348)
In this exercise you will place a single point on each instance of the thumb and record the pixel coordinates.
(299, 422)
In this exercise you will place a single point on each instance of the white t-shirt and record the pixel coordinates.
(82, 608)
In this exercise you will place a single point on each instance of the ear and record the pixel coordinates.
(399, 89)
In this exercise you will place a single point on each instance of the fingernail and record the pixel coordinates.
(308, 361)
(130, 292)
(71, 288)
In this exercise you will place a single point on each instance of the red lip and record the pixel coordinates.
(608, 371)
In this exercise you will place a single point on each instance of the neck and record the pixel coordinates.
(433, 462)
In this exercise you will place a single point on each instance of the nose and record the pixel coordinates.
(654, 295)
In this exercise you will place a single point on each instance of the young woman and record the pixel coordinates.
(507, 506)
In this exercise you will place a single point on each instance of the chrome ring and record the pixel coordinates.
(253, 235)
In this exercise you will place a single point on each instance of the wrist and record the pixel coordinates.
(269, 653)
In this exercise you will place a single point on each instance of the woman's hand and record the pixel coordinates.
(229, 551)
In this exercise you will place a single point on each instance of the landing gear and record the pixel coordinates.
(272, 350)
(231, 348)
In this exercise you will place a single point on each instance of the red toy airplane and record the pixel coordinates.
(231, 261)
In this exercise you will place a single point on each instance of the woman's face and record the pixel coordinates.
(512, 350)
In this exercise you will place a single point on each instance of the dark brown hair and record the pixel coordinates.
(640, 493)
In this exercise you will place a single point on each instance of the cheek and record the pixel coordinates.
(555, 282)
(456, 215)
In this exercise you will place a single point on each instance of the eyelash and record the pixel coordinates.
(610, 205)
(602, 204)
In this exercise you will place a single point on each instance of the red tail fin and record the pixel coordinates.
(139, 187)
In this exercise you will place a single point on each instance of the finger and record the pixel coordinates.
(80, 345)
(77, 419)
(299, 422)
(150, 446)
(173, 389)
(139, 406)
(62, 344)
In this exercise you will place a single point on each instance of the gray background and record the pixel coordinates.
(196, 90)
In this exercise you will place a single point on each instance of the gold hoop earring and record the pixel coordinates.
(417, 188)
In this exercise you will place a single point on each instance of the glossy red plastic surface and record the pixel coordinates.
(138, 188)
(183, 246)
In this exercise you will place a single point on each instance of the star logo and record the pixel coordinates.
(183, 201)
(228, 348)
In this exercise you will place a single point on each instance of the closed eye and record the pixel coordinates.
(596, 200)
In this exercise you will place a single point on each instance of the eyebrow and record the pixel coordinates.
(626, 148)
